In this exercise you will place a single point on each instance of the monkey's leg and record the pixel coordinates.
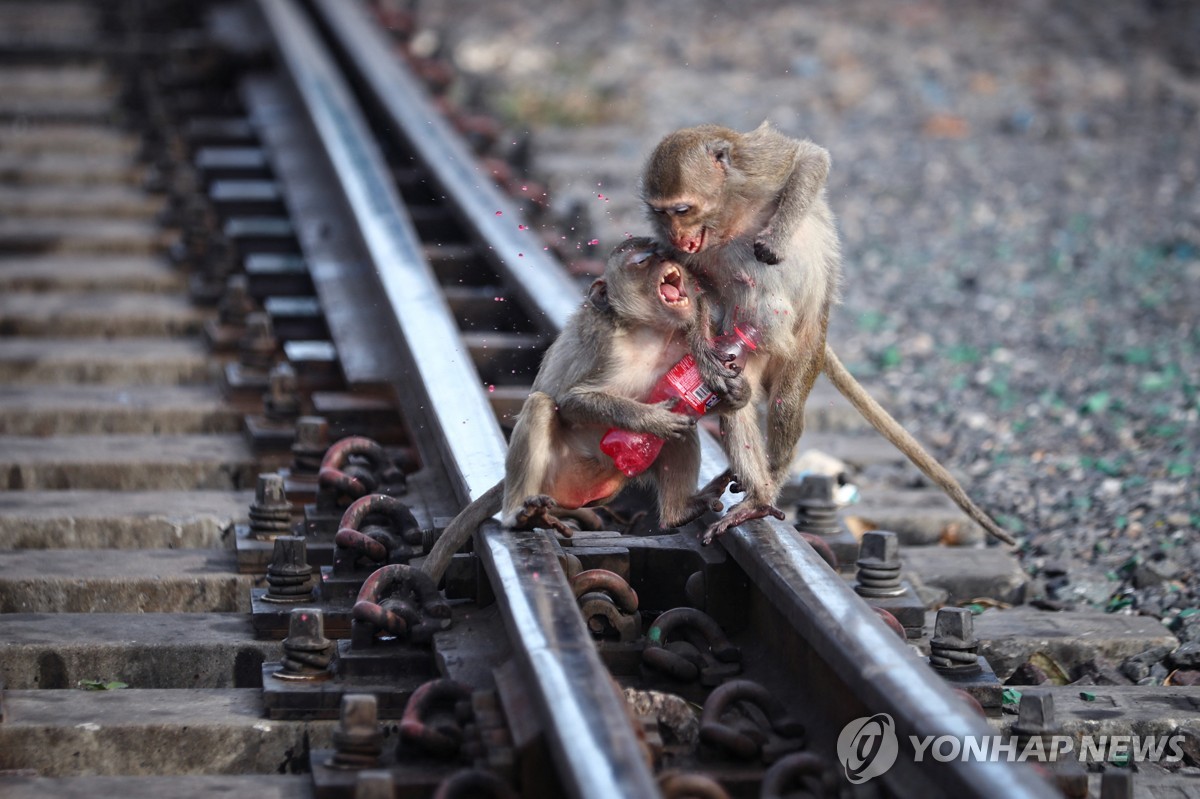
(742, 441)
(530, 454)
(675, 472)
(535, 512)
(792, 383)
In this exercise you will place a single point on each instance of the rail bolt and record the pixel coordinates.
(751, 737)
(401, 601)
(432, 718)
(879, 565)
(258, 345)
(310, 444)
(717, 658)
(281, 403)
(289, 575)
(270, 511)
(816, 510)
(307, 653)
(954, 649)
(357, 739)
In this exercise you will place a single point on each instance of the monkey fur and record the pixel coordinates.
(747, 215)
(639, 319)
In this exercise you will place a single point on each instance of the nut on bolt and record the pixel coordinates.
(954, 649)
(357, 739)
(270, 511)
(879, 565)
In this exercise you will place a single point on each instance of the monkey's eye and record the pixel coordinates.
(656, 209)
(680, 210)
(641, 257)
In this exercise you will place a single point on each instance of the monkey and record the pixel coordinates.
(638, 320)
(746, 213)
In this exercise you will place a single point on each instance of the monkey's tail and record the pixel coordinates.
(882, 421)
(460, 529)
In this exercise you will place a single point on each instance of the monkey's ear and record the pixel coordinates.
(719, 150)
(598, 294)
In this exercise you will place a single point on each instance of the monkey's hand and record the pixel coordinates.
(663, 422)
(728, 383)
(766, 250)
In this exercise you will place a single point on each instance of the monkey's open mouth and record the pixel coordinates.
(670, 286)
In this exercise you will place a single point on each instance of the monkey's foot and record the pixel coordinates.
(739, 514)
(535, 512)
(765, 253)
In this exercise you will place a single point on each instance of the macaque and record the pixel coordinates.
(639, 319)
(747, 215)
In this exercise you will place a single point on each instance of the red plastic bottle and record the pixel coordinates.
(632, 453)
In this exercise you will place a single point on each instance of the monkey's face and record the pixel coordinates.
(683, 223)
(646, 286)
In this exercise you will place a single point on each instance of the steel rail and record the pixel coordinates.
(468, 433)
(538, 280)
(868, 667)
(588, 727)
(874, 668)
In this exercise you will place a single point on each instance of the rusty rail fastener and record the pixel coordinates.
(396, 541)
(401, 601)
(695, 625)
(270, 510)
(717, 734)
(357, 739)
(289, 575)
(800, 772)
(816, 510)
(608, 603)
(307, 653)
(354, 467)
(424, 724)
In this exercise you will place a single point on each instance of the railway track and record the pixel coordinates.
(265, 321)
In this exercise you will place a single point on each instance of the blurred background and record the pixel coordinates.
(1016, 192)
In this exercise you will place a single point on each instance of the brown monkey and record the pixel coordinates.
(639, 319)
(731, 202)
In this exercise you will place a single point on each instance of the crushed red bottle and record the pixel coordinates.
(632, 453)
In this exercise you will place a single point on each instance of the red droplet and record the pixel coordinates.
(594, 242)
(499, 213)
(522, 227)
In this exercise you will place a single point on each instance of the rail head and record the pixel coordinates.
(572, 687)
(540, 282)
(467, 431)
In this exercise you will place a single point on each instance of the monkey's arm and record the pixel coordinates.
(590, 405)
(810, 168)
(893, 432)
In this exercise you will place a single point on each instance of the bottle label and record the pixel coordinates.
(684, 377)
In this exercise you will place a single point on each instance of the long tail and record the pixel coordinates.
(882, 421)
(460, 529)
